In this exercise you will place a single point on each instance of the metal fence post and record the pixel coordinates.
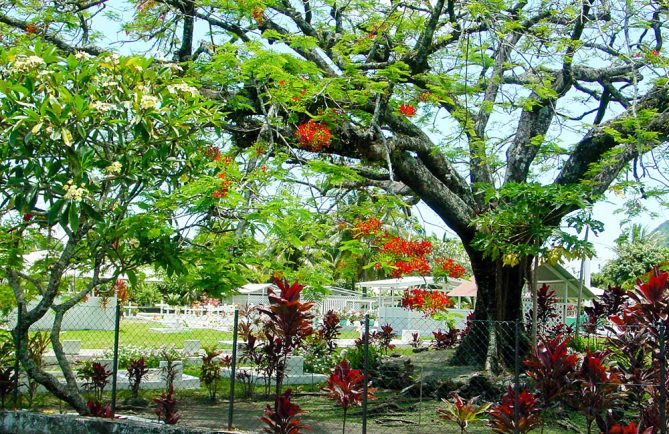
(233, 370)
(663, 377)
(17, 362)
(365, 373)
(516, 375)
(117, 332)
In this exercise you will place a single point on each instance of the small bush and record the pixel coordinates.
(503, 417)
(98, 409)
(210, 373)
(443, 341)
(137, 369)
(356, 357)
(283, 420)
(96, 377)
(166, 409)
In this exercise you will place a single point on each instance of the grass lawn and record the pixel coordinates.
(139, 333)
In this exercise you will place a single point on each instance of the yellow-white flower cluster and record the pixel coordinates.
(110, 83)
(102, 106)
(183, 88)
(73, 192)
(148, 102)
(26, 64)
(114, 168)
(81, 55)
(113, 58)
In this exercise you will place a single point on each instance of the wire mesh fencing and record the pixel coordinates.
(222, 368)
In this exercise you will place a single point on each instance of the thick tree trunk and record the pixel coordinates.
(65, 392)
(490, 342)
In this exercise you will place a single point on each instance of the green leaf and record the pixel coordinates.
(132, 277)
(63, 217)
(91, 212)
(73, 217)
(54, 212)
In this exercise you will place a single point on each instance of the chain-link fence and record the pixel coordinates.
(401, 374)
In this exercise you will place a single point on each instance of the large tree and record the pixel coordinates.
(503, 117)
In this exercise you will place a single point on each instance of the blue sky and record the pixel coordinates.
(604, 211)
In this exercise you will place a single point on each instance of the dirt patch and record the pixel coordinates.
(433, 365)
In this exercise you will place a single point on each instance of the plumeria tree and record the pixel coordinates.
(505, 118)
(91, 148)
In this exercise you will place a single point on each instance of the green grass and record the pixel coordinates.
(138, 333)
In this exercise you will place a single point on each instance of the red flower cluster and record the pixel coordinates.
(224, 188)
(400, 246)
(449, 266)
(371, 226)
(213, 152)
(428, 302)
(257, 15)
(407, 109)
(417, 265)
(31, 29)
(314, 136)
(121, 290)
(426, 96)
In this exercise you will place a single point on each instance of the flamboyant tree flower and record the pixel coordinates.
(313, 136)
(407, 109)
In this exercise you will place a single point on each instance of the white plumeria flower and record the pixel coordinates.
(174, 67)
(81, 55)
(72, 192)
(183, 88)
(102, 107)
(44, 74)
(26, 64)
(114, 168)
(149, 102)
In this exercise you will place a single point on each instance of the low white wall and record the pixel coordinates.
(93, 314)
(400, 319)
